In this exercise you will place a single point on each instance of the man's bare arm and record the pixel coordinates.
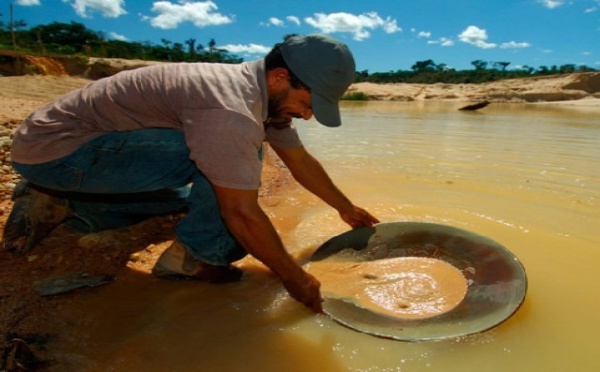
(311, 175)
(253, 229)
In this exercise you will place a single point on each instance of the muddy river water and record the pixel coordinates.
(526, 176)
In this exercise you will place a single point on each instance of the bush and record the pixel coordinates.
(355, 96)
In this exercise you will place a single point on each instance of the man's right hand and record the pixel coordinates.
(253, 229)
(305, 289)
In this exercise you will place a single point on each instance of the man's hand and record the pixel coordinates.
(358, 217)
(310, 173)
(253, 229)
(305, 289)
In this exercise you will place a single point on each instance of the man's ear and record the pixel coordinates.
(277, 76)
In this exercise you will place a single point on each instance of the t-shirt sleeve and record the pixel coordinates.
(286, 138)
(225, 146)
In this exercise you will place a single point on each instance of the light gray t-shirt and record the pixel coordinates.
(221, 108)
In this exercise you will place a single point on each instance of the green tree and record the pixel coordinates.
(479, 64)
(191, 47)
(501, 65)
(424, 66)
(73, 34)
(567, 69)
(543, 70)
(211, 46)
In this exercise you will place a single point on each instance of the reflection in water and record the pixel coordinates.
(525, 176)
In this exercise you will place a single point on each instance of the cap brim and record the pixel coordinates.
(326, 112)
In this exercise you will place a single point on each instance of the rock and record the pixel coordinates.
(70, 282)
(102, 239)
(475, 106)
(18, 356)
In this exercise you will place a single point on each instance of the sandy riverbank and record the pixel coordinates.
(573, 89)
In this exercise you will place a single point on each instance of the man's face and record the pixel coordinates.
(287, 103)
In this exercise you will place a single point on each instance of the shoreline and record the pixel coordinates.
(580, 89)
(20, 95)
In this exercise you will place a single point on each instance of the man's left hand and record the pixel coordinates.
(358, 217)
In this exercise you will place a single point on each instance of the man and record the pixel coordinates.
(185, 137)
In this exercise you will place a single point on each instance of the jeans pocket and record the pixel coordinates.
(55, 175)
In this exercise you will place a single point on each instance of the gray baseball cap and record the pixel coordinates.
(326, 66)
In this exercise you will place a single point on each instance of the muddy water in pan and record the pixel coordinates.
(525, 176)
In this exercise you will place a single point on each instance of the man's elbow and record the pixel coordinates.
(240, 215)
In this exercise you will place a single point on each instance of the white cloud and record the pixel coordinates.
(108, 8)
(358, 25)
(114, 35)
(276, 22)
(514, 45)
(591, 10)
(293, 19)
(273, 21)
(200, 13)
(424, 34)
(443, 41)
(446, 42)
(28, 2)
(246, 49)
(476, 36)
(551, 4)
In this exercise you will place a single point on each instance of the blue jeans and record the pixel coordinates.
(122, 178)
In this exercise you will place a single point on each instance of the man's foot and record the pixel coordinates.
(33, 216)
(177, 263)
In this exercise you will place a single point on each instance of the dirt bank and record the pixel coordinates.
(24, 313)
(568, 87)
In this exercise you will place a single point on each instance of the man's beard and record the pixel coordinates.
(275, 108)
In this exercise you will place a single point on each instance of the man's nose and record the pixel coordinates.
(307, 114)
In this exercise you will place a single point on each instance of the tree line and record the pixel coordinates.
(429, 72)
(75, 39)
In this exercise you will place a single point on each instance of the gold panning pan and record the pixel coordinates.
(416, 281)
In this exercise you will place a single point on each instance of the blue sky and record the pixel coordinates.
(383, 35)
